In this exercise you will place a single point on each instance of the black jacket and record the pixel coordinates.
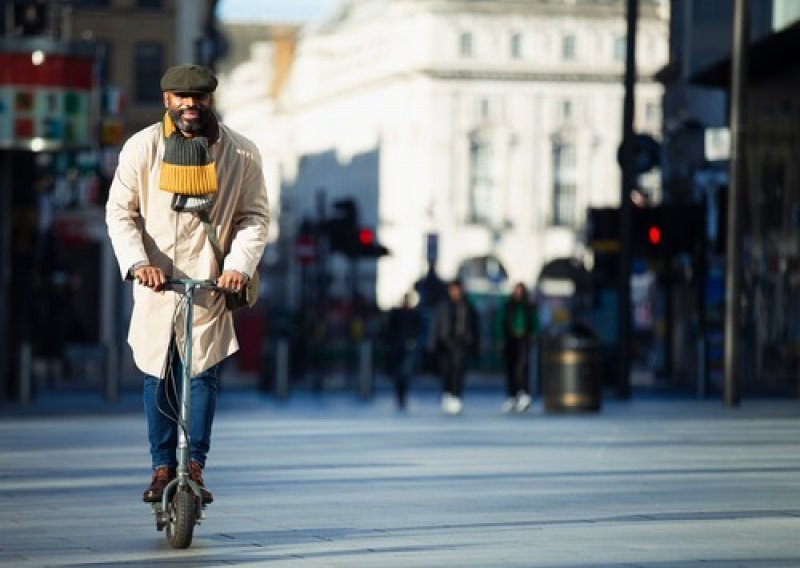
(454, 325)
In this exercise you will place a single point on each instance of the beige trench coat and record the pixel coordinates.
(143, 227)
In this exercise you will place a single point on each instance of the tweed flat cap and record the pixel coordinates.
(189, 78)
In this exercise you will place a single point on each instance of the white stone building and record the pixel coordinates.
(492, 124)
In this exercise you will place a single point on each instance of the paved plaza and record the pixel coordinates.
(331, 480)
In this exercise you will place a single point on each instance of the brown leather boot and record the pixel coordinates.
(196, 475)
(162, 475)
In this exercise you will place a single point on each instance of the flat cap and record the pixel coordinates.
(189, 78)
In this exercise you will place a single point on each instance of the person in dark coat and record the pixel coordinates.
(404, 328)
(454, 334)
(519, 325)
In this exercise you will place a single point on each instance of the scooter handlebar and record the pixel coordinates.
(186, 283)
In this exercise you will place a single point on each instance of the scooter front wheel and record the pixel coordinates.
(181, 518)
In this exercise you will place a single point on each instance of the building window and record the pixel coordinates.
(480, 181)
(567, 110)
(466, 44)
(620, 48)
(484, 108)
(564, 184)
(103, 62)
(652, 113)
(568, 47)
(516, 46)
(148, 67)
(29, 19)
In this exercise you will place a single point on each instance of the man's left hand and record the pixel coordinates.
(232, 280)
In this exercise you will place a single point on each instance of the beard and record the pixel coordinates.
(193, 127)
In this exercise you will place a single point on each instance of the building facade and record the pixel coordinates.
(461, 129)
(136, 41)
(67, 68)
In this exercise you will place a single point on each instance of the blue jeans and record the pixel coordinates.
(162, 407)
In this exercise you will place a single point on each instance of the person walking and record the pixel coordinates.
(519, 326)
(403, 330)
(170, 174)
(453, 336)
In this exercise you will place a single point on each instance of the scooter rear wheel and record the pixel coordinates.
(181, 518)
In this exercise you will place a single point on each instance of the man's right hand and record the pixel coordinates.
(150, 276)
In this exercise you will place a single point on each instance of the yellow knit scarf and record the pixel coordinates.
(187, 167)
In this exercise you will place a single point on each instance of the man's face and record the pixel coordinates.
(189, 111)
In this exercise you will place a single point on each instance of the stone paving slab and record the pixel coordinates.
(335, 481)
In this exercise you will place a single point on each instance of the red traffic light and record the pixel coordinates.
(654, 235)
(366, 236)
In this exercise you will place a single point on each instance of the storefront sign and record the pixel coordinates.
(45, 96)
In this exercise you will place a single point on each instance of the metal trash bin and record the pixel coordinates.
(571, 371)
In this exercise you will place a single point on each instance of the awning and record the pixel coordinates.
(564, 277)
(768, 57)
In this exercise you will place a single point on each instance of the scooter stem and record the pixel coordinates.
(186, 380)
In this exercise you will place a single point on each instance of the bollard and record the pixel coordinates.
(108, 323)
(701, 367)
(534, 384)
(111, 361)
(282, 369)
(25, 372)
(365, 383)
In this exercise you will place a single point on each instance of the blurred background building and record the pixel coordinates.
(478, 129)
(406, 142)
(78, 77)
(468, 138)
(695, 171)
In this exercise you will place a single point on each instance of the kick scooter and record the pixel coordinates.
(181, 506)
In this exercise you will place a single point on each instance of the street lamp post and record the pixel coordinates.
(739, 71)
(628, 185)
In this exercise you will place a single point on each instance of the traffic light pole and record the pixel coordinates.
(739, 72)
(623, 382)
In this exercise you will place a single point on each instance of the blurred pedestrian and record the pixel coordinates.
(403, 331)
(170, 174)
(453, 336)
(519, 326)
